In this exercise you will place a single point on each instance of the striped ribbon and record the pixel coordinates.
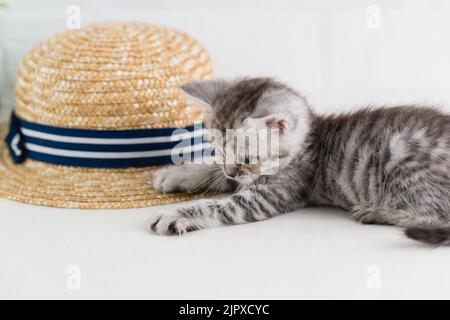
(105, 149)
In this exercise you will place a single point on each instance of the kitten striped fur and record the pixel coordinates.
(386, 166)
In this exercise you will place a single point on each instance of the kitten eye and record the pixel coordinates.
(283, 155)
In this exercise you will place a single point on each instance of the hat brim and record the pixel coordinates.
(50, 185)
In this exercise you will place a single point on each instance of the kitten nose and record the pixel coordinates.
(233, 171)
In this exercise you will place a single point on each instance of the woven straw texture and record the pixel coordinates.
(106, 76)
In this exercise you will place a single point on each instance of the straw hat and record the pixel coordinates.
(105, 77)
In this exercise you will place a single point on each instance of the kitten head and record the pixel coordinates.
(249, 111)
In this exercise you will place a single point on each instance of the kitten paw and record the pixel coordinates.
(170, 223)
(167, 180)
(368, 215)
(361, 214)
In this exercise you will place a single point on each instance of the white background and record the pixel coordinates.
(337, 54)
(330, 50)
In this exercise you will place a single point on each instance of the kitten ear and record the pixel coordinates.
(279, 121)
(204, 93)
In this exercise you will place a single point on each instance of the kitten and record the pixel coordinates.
(386, 166)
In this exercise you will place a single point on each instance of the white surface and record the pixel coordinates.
(313, 253)
(322, 47)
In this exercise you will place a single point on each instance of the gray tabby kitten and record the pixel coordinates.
(386, 166)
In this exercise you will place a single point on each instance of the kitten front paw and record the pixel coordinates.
(167, 180)
(170, 223)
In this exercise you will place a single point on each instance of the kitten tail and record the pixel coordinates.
(433, 236)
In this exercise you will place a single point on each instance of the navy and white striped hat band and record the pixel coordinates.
(105, 149)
